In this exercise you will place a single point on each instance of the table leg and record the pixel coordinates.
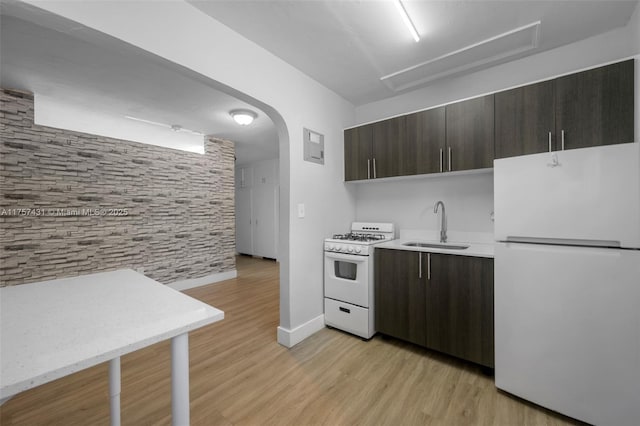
(180, 380)
(114, 390)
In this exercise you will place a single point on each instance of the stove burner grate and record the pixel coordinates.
(351, 236)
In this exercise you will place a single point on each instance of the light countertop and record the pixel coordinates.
(483, 249)
(54, 328)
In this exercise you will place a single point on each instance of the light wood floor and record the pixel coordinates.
(241, 376)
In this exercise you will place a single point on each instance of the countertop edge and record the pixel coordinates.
(485, 250)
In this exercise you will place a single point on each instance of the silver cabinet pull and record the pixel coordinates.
(562, 139)
(441, 159)
(428, 266)
(449, 158)
(419, 265)
(368, 168)
(549, 141)
(374, 168)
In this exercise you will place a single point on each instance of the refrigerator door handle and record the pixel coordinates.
(563, 241)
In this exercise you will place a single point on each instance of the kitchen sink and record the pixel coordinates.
(436, 245)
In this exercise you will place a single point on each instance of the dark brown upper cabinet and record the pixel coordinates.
(374, 150)
(589, 108)
(525, 120)
(596, 107)
(357, 152)
(423, 151)
(387, 145)
(470, 134)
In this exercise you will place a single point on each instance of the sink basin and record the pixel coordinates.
(436, 245)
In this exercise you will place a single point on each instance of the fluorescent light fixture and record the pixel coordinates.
(407, 20)
(243, 117)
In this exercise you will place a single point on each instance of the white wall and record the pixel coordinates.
(408, 203)
(184, 35)
(469, 198)
(60, 114)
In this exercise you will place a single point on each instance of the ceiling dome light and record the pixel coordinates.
(243, 117)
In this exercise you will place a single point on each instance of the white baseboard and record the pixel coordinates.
(289, 338)
(198, 282)
(2, 401)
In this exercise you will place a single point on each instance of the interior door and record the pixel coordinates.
(264, 226)
(244, 222)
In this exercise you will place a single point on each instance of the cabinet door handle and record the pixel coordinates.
(374, 168)
(368, 168)
(549, 141)
(449, 158)
(428, 266)
(419, 265)
(441, 159)
(562, 139)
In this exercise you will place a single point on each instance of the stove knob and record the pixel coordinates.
(338, 247)
(331, 246)
(358, 249)
(350, 249)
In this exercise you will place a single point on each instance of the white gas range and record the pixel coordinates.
(348, 277)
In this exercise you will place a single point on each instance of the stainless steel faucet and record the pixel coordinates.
(443, 224)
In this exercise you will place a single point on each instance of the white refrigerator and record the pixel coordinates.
(567, 281)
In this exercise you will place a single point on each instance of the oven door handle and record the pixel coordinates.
(345, 256)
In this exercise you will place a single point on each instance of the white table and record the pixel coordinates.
(54, 328)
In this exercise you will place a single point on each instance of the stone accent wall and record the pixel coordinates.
(74, 203)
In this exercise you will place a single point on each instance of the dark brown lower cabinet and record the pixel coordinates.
(400, 295)
(439, 301)
(460, 307)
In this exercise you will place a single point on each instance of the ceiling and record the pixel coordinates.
(78, 72)
(348, 46)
